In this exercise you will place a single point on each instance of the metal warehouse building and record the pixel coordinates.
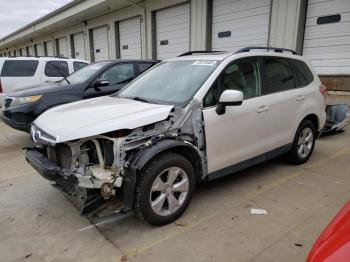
(107, 29)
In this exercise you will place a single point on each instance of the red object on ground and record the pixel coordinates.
(333, 245)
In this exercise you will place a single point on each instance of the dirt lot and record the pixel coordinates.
(37, 223)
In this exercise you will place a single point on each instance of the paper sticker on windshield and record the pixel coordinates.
(205, 62)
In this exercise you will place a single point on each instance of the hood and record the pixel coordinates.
(42, 89)
(99, 115)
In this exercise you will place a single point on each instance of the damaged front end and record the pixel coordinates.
(104, 167)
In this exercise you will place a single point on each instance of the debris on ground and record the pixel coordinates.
(298, 244)
(338, 117)
(124, 258)
(180, 223)
(258, 211)
(29, 255)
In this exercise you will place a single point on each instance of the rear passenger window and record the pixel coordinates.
(143, 67)
(78, 65)
(303, 75)
(19, 68)
(56, 69)
(279, 76)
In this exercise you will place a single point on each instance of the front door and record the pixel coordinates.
(241, 133)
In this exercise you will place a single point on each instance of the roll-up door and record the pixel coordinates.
(49, 48)
(236, 24)
(327, 36)
(39, 50)
(30, 51)
(100, 43)
(173, 31)
(62, 47)
(79, 46)
(130, 38)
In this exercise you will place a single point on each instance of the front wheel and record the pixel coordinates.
(304, 143)
(164, 189)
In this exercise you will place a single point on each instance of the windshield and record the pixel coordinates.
(174, 82)
(85, 73)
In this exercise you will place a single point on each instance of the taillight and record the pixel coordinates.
(323, 90)
(0, 86)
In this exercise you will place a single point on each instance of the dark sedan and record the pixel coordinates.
(103, 78)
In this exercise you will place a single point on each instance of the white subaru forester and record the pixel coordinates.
(196, 117)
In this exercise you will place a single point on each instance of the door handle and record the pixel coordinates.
(300, 98)
(262, 109)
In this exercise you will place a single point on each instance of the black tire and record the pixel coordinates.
(149, 174)
(293, 156)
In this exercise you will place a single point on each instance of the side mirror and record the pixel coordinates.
(100, 82)
(229, 98)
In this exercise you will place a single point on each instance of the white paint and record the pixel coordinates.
(97, 116)
(100, 43)
(327, 46)
(130, 38)
(79, 45)
(173, 26)
(248, 22)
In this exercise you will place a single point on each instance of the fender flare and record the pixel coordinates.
(140, 161)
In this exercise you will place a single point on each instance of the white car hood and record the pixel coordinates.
(97, 116)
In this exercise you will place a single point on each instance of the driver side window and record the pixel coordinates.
(242, 75)
(118, 74)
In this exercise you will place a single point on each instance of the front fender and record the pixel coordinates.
(140, 161)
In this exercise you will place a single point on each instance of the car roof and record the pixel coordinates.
(41, 58)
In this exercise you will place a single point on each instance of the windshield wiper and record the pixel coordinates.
(141, 99)
(59, 71)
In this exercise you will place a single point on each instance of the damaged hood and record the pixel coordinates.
(97, 116)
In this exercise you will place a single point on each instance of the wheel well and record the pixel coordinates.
(190, 154)
(314, 119)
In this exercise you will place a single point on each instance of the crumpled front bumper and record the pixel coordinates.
(63, 178)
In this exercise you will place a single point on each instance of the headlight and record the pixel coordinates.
(24, 100)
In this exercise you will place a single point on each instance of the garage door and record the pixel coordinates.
(100, 43)
(30, 51)
(79, 46)
(327, 36)
(49, 48)
(39, 50)
(173, 31)
(236, 24)
(130, 38)
(62, 47)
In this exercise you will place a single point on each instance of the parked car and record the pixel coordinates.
(98, 79)
(188, 119)
(333, 245)
(17, 73)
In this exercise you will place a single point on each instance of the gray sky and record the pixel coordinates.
(15, 14)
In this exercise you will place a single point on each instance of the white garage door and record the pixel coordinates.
(22, 52)
(130, 38)
(79, 46)
(30, 51)
(238, 24)
(62, 47)
(173, 31)
(327, 36)
(39, 50)
(49, 48)
(100, 42)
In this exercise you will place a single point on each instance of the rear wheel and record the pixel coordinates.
(304, 143)
(164, 189)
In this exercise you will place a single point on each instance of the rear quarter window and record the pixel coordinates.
(56, 69)
(19, 68)
(303, 75)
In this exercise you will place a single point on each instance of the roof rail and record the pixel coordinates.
(200, 52)
(275, 49)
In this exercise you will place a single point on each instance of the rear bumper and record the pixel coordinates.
(63, 178)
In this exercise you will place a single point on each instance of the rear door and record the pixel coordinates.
(241, 133)
(117, 75)
(283, 100)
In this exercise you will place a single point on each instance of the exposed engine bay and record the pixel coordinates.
(95, 169)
